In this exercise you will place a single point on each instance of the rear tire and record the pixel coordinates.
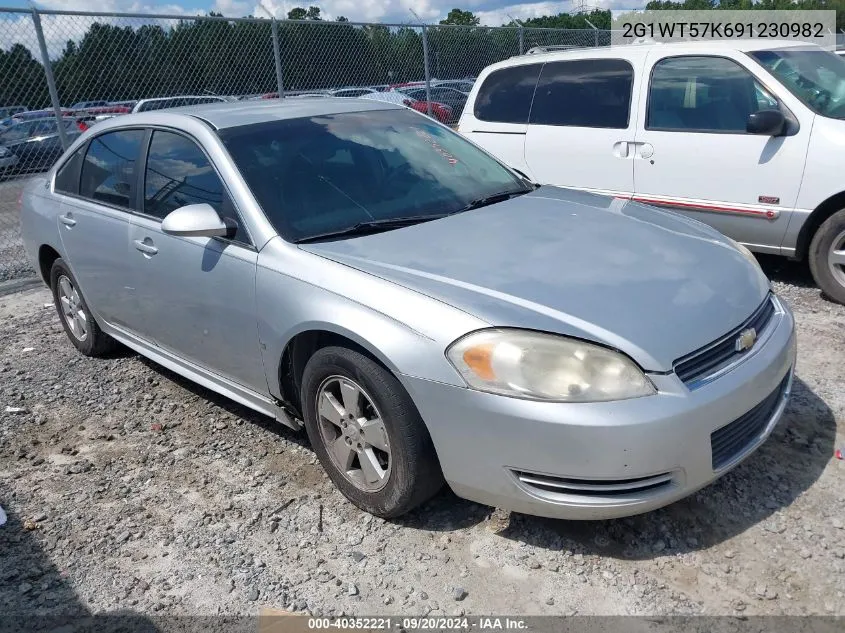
(827, 256)
(367, 433)
(76, 317)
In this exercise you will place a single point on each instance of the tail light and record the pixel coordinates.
(81, 125)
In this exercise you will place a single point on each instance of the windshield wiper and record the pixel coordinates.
(492, 199)
(372, 226)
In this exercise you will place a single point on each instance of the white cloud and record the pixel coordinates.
(528, 10)
(234, 8)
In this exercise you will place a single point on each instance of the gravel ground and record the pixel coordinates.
(129, 488)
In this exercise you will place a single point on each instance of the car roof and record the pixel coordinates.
(226, 114)
(640, 50)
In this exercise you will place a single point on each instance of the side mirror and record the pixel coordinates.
(197, 220)
(766, 123)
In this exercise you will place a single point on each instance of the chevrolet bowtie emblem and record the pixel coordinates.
(745, 340)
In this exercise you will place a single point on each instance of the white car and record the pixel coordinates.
(741, 135)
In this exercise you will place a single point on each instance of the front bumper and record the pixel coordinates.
(609, 459)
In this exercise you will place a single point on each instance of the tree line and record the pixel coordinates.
(120, 62)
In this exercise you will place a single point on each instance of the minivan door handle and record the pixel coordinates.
(644, 150)
(620, 149)
(67, 219)
(146, 246)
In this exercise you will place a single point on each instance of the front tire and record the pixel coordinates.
(76, 317)
(827, 256)
(367, 433)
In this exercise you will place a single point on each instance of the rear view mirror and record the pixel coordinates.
(766, 123)
(197, 220)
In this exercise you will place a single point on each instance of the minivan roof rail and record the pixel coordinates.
(547, 49)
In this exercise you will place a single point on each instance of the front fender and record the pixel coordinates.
(298, 291)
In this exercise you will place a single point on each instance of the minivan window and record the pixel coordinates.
(703, 94)
(325, 174)
(178, 173)
(584, 93)
(816, 77)
(506, 94)
(108, 171)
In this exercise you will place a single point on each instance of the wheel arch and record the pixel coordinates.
(304, 343)
(821, 213)
(47, 255)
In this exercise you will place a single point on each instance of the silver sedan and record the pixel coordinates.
(425, 312)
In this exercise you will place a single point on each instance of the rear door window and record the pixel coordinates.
(506, 94)
(108, 171)
(593, 93)
(67, 178)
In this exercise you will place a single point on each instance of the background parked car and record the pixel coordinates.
(352, 92)
(84, 105)
(110, 109)
(31, 115)
(439, 111)
(36, 144)
(464, 85)
(160, 103)
(455, 99)
(126, 104)
(8, 111)
(7, 159)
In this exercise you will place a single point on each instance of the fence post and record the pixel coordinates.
(51, 81)
(595, 32)
(521, 41)
(427, 70)
(277, 55)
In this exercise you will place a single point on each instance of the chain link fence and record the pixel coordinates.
(63, 71)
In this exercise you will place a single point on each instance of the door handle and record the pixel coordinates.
(645, 150)
(146, 246)
(620, 149)
(67, 220)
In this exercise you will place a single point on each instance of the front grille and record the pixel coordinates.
(715, 356)
(593, 487)
(732, 440)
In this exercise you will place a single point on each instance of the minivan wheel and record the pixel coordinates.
(827, 256)
(79, 325)
(367, 433)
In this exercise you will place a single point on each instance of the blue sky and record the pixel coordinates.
(492, 12)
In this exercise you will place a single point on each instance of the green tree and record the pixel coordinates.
(461, 18)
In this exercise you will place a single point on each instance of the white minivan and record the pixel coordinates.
(747, 136)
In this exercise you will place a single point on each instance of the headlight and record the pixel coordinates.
(539, 366)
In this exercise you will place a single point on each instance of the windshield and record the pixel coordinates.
(816, 77)
(324, 174)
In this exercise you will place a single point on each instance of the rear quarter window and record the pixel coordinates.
(506, 94)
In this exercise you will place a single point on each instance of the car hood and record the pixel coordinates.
(651, 283)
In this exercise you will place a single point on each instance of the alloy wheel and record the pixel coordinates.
(72, 308)
(836, 258)
(353, 432)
